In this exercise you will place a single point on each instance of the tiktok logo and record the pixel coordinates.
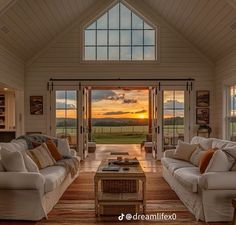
(121, 217)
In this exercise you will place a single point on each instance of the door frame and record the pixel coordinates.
(181, 84)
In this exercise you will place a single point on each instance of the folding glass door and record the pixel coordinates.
(69, 116)
(170, 117)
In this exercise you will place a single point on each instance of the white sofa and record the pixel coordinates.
(208, 196)
(31, 196)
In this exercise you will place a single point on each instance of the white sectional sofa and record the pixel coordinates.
(28, 195)
(208, 196)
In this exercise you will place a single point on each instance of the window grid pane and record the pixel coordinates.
(119, 34)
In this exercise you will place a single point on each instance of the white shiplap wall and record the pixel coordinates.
(62, 60)
(11, 70)
(225, 76)
(12, 75)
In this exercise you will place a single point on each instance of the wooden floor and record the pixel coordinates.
(76, 207)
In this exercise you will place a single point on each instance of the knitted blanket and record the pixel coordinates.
(71, 164)
(37, 138)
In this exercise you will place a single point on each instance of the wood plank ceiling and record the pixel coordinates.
(28, 25)
(205, 23)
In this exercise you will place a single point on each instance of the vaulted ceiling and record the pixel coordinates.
(26, 26)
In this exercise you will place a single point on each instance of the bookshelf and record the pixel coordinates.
(2, 111)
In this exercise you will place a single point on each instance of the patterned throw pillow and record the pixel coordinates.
(41, 156)
(51, 147)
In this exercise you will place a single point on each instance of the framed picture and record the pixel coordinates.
(36, 105)
(203, 98)
(202, 115)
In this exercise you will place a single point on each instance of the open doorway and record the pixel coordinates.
(7, 114)
(120, 116)
(93, 113)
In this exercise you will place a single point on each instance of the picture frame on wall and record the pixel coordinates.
(36, 105)
(202, 116)
(203, 98)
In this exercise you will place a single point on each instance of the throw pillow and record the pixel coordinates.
(205, 159)
(12, 161)
(231, 151)
(1, 166)
(53, 150)
(219, 162)
(196, 156)
(184, 150)
(41, 156)
(64, 147)
(29, 163)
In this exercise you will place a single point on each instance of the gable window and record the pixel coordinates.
(119, 34)
(231, 113)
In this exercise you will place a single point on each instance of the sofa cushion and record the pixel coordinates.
(63, 147)
(220, 162)
(184, 150)
(15, 145)
(205, 143)
(188, 177)
(54, 176)
(174, 164)
(231, 152)
(196, 156)
(12, 161)
(220, 144)
(1, 166)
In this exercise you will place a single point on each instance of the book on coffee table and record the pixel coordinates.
(111, 168)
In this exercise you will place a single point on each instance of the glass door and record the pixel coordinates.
(85, 129)
(175, 119)
(66, 116)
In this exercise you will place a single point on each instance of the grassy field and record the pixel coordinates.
(123, 134)
(119, 138)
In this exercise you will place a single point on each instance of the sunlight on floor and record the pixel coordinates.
(103, 151)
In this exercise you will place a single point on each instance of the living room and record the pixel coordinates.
(54, 54)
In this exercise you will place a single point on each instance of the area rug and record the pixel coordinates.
(119, 153)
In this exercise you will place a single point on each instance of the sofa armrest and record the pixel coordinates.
(169, 153)
(22, 181)
(73, 152)
(218, 181)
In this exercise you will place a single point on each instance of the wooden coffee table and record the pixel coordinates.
(234, 205)
(135, 195)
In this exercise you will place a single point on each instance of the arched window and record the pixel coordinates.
(120, 34)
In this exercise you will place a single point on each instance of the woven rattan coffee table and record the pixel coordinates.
(119, 191)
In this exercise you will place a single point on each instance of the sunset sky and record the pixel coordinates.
(119, 104)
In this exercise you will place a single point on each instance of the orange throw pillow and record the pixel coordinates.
(205, 159)
(53, 150)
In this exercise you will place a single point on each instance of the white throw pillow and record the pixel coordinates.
(196, 156)
(184, 150)
(1, 166)
(231, 151)
(12, 161)
(64, 147)
(219, 162)
(29, 163)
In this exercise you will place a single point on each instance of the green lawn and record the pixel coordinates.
(119, 138)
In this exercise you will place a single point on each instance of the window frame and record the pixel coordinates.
(107, 61)
(228, 116)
